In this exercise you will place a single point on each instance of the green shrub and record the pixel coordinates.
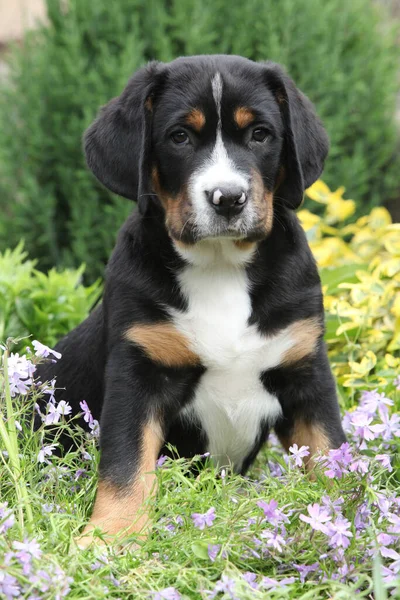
(339, 52)
(46, 307)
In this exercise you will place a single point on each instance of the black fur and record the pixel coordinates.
(115, 377)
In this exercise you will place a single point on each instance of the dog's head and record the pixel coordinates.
(217, 139)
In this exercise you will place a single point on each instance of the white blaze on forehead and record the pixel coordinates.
(216, 85)
(218, 170)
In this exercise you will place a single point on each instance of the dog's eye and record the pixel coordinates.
(260, 134)
(179, 137)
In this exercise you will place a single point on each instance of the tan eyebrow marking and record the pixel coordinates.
(196, 118)
(243, 116)
(164, 344)
(123, 512)
(306, 334)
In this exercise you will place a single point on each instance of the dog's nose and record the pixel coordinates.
(227, 201)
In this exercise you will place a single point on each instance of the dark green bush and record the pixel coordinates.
(338, 51)
(45, 307)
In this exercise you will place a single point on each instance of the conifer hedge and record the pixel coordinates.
(340, 53)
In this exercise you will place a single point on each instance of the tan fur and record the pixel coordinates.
(149, 104)
(121, 513)
(263, 202)
(307, 434)
(196, 119)
(244, 244)
(178, 209)
(306, 334)
(243, 116)
(164, 344)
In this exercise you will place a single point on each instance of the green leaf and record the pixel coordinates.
(380, 592)
(333, 276)
(200, 549)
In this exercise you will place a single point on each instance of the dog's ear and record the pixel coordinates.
(118, 144)
(306, 142)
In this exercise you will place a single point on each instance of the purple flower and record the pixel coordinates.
(396, 382)
(317, 519)
(49, 388)
(161, 461)
(274, 540)
(20, 373)
(389, 575)
(360, 465)
(87, 415)
(372, 402)
(384, 459)
(332, 506)
(339, 532)
(363, 428)
(395, 521)
(7, 518)
(29, 546)
(362, 518)
(56, 411)
(384, 539)
(9, 586)
(44, 351)
(299, 454)
(273, 584)
(251, 579)
(389, 428)
(95, 428)
(337, 461)
(169, 593)
(45, 451)
(272, 513)
(213, 551)
(305, 570)
(226, 586)
(204, 520)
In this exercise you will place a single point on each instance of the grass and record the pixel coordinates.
(52, 500)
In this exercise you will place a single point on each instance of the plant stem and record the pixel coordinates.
(8, 432)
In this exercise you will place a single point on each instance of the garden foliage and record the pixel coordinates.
(274, 534)
(339, 52)
(45, 307)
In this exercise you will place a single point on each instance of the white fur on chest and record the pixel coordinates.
(230, 400)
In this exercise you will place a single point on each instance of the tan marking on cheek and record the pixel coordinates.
(164, 344)
(306, 334)
(243, 116)
(196, 119)
(123, 512)
(307, 434)
(178, 209)
(263, 202)
(269, 211)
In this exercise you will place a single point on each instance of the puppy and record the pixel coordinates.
(210, 331)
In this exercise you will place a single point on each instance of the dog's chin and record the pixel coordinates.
(193, 236)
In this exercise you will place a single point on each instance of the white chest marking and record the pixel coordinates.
(230, 399)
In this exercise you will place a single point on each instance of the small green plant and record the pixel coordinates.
(45, 306)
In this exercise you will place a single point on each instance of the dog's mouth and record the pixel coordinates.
(252, 227)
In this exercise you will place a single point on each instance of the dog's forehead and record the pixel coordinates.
(217, 87)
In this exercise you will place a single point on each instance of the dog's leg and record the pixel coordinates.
(121, 511)
(310, 410)
(131, 436)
